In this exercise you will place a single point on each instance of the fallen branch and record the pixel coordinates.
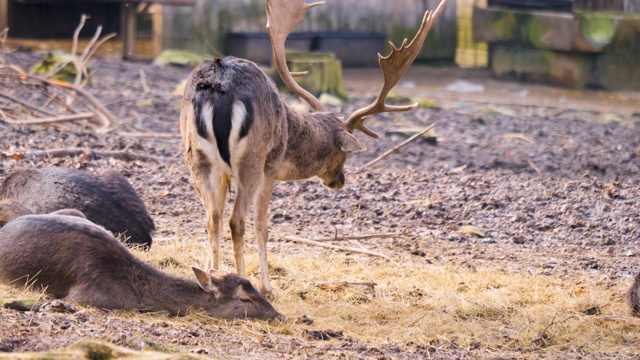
(25, 104)
(143, 81)
(150, 135)
(344, 284)
(57, 153)
(336, 247)
(341, 237)
(542, 339)
(415, 136)
(624, 321)
(106, 117)
(53, 119)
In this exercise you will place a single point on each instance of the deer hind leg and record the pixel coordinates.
(248, 181)
(261, 213)
(212, 192)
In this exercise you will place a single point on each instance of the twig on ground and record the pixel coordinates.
(541, 340)
(143, 81)
(56, 153)
(341, 237)
(625, 321)
(517, 136)
(386, 153)
(53, 119)
(32, 107)
(344, 284)
(534, 167)
(336, 247)
(150, 135)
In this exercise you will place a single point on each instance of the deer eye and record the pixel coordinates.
(245, 299)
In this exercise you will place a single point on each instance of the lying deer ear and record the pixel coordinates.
(206, 281)
(349, 143)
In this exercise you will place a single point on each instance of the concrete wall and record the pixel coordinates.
(212, 19)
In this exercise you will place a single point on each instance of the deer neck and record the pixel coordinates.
(174, 294)
(311, 145)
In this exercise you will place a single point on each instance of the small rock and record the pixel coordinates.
(305, 320)
(58, 306)
(472, 230)
(322, 334)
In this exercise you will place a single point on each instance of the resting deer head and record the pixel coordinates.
(237, 130)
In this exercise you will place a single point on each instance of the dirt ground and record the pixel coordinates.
(553, 185)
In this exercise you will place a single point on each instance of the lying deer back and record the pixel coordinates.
(107, 199)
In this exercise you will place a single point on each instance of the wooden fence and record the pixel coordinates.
(204, 26)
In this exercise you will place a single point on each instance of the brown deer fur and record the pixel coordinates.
(237, 131)
(70, 257)
(633, 296)
(106, 199)
(281, 144)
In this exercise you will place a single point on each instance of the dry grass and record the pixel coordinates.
(419, 304)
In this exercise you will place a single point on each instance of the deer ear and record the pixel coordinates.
(206, 281)
(349, 143)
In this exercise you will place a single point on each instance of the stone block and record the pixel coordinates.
(325, 73)
(558, 68)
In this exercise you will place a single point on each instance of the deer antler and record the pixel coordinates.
(282, 17)
(393, 67)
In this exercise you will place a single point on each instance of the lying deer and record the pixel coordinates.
(106, 199)
(70, 257)
(237, 130)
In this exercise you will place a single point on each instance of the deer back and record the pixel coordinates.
(232, 116)
(107, 199)
(70, 257)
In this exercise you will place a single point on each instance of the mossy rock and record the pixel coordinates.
(53, 60)
(325, 73)
(180, 57)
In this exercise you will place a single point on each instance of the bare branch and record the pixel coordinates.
(336, 247)
(53, 119)
(25, 104)
(57, 153)
(386, 153)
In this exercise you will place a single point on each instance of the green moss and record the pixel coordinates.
(55, 62)
(597, 28)
(505, 25)
(535, 32)
(325, 73)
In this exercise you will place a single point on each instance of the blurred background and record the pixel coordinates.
(569, 43)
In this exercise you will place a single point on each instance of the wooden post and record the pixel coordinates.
(129, 25)
(156, 32)
(4, 16)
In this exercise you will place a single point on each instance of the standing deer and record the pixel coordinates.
(72, 258)
(106, 199)
(237, 130)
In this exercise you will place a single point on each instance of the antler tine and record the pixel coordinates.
(282, 17)
(393, 67)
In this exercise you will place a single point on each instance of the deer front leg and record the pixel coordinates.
(261, 218)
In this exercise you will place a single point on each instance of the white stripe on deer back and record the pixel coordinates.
(209, 145)
(206, 115)
(237, 146)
